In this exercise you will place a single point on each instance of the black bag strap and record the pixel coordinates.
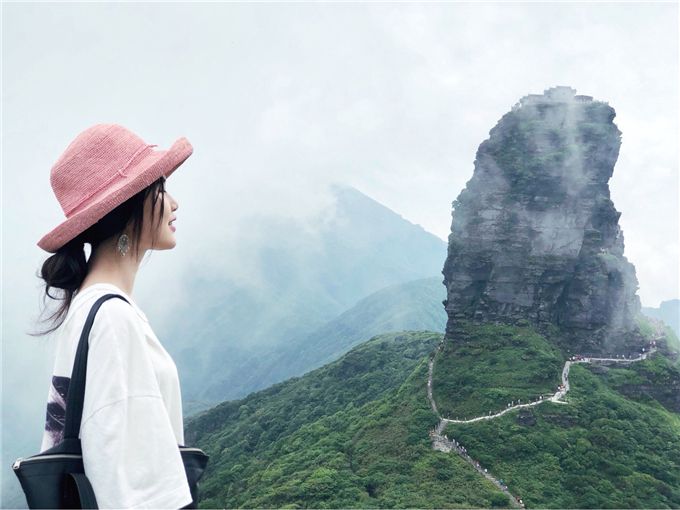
(84, 490)
(76, 389)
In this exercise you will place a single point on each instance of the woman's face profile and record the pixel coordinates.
(165, 233)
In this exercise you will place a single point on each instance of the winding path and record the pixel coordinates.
(443, 443)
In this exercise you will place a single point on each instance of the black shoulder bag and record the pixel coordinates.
(56, 478)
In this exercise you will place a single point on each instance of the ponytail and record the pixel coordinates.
(65, 270)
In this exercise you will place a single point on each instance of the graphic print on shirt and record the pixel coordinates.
(56, 408)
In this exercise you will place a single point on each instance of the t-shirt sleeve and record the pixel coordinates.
(130, 452)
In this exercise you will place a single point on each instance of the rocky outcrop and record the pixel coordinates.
(526, 418)
(667, 395)
(534, 234)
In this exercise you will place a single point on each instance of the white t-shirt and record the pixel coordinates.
(132, 411)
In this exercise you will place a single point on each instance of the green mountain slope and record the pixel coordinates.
(615, 444)
(602, 450)
(353, 433)
(488, 366)
(356, 433)
(364, 374)
(415, 305)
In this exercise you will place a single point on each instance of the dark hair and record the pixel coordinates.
(67, 268)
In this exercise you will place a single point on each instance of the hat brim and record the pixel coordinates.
(144, 173)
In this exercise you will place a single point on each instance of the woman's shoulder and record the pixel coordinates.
(114, 317)
(118, 310)
(118, 307)
(117, 329)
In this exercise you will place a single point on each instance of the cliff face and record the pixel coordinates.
(535, 235)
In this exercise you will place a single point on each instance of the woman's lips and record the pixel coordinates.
(173, 228)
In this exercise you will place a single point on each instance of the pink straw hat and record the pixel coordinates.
(103, 167)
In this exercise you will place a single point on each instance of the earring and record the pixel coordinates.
(123, 244)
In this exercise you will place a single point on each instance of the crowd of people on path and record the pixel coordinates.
(519, 402)
(462, 451)
(586, 359)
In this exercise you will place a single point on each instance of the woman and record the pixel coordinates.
(111, 186)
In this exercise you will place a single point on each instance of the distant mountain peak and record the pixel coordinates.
(350, 200)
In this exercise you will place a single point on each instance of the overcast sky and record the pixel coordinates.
(280, 99)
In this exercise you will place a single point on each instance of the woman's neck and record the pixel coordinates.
(107, 265)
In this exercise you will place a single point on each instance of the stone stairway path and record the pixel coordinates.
(443, 443)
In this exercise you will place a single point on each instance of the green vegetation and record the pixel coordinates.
(672, 341)
(342, 455)
(354, 433)
(655, 381)
(513, 156)
(487, 366)
(645, 326)
(530, 144)
(363, 374)
(649, 330)
(520, 157)
(602, 450)
(598, 133)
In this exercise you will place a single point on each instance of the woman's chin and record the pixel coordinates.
(167, 243)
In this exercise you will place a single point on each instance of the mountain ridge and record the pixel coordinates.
(313, 271)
